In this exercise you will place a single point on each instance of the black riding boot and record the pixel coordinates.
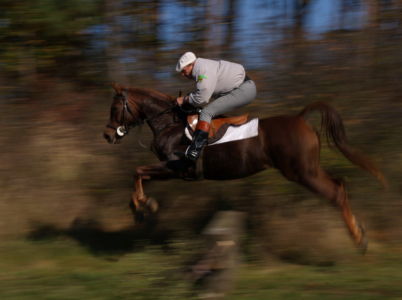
(200, 139)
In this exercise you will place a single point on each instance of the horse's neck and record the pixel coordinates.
(158, 116)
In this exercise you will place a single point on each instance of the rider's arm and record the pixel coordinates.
(206, 77)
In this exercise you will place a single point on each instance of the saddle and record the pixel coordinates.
(218, 126)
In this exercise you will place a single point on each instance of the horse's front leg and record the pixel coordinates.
(139, 199)
(140, 203)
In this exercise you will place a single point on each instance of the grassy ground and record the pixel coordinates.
(377, 276)
(63, 269)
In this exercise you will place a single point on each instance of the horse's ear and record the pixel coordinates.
(117, 87)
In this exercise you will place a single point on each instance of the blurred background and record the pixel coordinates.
(65, 228)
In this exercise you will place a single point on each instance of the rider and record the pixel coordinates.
(224, 81)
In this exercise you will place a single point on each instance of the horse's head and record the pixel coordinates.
(124, 113)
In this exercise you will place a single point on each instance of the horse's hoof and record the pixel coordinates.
(139, 217)
(152, 205)
(362, 246)
(144, 209)
(139, 213)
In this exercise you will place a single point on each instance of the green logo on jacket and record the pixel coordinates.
(201, 77)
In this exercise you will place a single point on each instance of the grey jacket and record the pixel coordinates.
(213, 78)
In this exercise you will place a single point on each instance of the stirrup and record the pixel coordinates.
(185, 155)
(192, 154)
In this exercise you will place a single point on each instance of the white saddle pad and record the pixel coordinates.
(235, 133)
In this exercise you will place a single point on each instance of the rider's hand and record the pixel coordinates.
(181, 100)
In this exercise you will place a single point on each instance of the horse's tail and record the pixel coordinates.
(332, 123)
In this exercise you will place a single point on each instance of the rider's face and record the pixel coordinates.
(186, 72)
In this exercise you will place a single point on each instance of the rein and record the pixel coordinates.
(170, 109)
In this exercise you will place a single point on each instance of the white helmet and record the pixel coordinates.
(186, 59)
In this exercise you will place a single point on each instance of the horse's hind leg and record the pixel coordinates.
(321, 183)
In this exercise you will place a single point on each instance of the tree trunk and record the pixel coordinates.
(373, 8)
(115, 69)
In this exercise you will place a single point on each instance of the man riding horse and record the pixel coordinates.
(285, 142)
(224, 81)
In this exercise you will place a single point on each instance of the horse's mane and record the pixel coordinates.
(143, 92)
(151, 93)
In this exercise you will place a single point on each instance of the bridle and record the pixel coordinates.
(124, 126)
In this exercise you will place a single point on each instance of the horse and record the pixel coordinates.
(286, 142)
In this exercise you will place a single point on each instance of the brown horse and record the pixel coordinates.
(287, 143)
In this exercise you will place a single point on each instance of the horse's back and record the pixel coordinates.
(287, 130)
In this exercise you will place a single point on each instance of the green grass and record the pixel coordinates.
(63, 269)
(372, 277)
